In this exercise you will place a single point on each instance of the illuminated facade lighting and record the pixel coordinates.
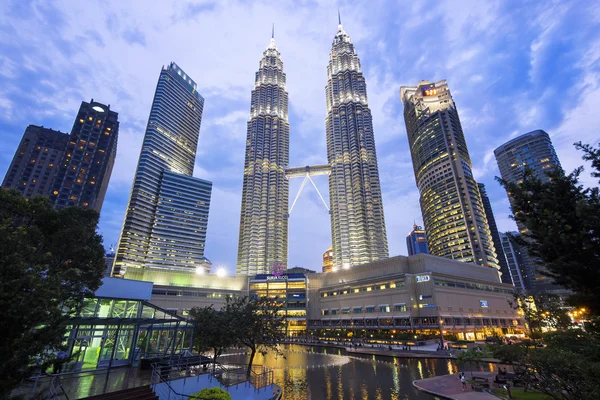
(263, 238)
(357, 222)
(416, 241)
(167, 215)
(453, 212)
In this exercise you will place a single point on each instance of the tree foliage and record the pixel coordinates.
(562, 218)
(211, 394)
(258, 324)
(542, 311)
(49, 261)
(470, 357)
(212, 330)
(567, 368)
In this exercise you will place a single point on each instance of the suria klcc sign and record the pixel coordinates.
(277, 273)
(422, 278)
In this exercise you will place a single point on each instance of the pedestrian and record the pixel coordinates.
(58, 363)
(463, 381)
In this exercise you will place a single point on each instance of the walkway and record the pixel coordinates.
(426, 351)
(449, 387)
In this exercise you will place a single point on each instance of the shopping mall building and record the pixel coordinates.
(418, 294)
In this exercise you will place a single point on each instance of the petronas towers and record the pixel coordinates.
(263, 221)
(357, 222)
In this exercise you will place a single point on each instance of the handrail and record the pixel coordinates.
(54, 385)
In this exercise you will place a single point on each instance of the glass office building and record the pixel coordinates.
(453, 212)
(489, 214)
(166, 218)
(358, 231)
(416, 241)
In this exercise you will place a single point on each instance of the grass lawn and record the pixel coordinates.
(519, 394)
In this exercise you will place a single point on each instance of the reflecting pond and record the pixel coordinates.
(317, 373)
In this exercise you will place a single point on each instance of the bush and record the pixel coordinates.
(214, 393)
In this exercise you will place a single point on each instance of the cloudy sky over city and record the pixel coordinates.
(512, 67)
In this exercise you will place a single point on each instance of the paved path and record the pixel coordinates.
(449, 387)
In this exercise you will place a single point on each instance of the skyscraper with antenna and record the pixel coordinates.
(357, 223)
(263, 238)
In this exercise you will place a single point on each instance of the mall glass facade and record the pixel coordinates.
(291, 290)
(109, 332)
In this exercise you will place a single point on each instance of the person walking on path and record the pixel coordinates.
(463, 381)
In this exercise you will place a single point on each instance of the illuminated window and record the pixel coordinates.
(90, 118)
(73, 197)
(55, 192)
(85, 204)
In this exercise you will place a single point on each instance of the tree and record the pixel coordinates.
(567, 368)
(213, 330)
(470, 356)
(563, 227)
(49, 261)
(258, 324)
(542, 311)
(214, 393)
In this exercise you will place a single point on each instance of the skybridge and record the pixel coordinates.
(307, 172)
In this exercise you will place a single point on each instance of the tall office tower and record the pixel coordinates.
(357, 222)
(83, 175)
(519, 266)
(328, 260)
(534, 150)
(263, 222)
(166, 219)
(416, 241)
(36, 161)
(489, 215)
(451, 204)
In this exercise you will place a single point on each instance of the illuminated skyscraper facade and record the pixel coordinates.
(263, 238)
(83, 175)
(357, 223)
(166, 219)
(416, 241)
(36, 161)
(328, 260)
(453, 212)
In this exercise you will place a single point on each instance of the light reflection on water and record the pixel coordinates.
(333, 375)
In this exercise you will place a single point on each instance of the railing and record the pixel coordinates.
(56, 389)
(226, 375)
(262, 378)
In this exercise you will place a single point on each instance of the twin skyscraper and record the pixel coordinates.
(357, 223)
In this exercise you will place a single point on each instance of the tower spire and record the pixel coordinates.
(273, 31)
(339, 17)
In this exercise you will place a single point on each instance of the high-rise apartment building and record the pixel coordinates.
(519, 266)
(167, 215)
(489, 214)
(36, 161)
(416, 241)
(357, 222)
(453, 213)
(263, 238)
(84, 172)
(328, 260)
(71, 169)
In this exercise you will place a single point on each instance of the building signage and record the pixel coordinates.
(277, 277)
(483, 303)
(428, 305)
(422, 278)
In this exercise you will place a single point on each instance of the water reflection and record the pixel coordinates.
(319, 373)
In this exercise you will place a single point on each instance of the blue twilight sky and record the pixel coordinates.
(512, 67)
